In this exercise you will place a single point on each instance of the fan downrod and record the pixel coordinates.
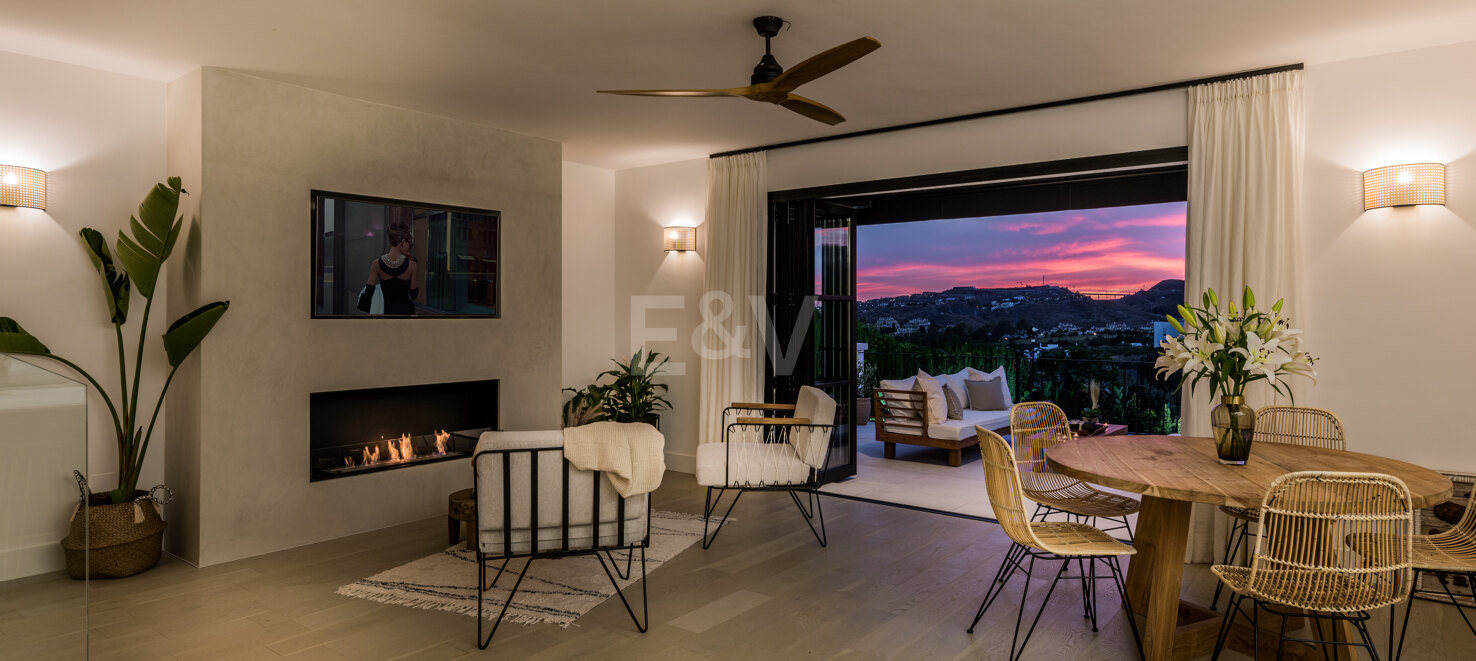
(768, 68)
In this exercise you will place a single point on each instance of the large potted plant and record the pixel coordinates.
(632, 396)
(1232, 349)
(124, 532)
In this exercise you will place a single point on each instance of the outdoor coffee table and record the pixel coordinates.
(1174, 471)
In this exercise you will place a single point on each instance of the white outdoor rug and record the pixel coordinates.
(558, 590)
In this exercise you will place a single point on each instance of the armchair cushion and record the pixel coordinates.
(810, 443)
(548, 447)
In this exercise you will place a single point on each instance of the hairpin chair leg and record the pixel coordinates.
(482, 587)
(644, 621)
(810, 514)
(1014, 655)
(1118, 579)
(1239, 530)
(711, 506)
(629, 558)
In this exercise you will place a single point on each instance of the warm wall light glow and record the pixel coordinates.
(22, 187)
(679, 239)
(1400, 185)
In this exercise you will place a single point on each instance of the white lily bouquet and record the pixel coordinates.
(1232, 348)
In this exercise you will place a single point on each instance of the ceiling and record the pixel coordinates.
(533, 66)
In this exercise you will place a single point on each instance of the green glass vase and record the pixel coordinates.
(1234, 424)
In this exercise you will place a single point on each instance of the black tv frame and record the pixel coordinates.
(316, 234)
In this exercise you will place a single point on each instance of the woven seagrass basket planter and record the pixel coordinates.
(114, 540)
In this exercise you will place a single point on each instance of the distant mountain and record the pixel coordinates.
(1043, 307)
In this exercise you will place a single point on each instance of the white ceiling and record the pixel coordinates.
(533, 66)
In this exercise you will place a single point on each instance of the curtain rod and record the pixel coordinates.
(1007, 111)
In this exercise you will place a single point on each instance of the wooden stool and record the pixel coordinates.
(462, 511)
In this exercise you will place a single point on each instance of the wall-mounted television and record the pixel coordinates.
(423, 260)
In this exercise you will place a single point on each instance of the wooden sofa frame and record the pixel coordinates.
(897, 410)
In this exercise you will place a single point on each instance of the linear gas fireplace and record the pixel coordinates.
(354, 432)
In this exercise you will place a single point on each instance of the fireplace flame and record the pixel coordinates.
(441, 438)
(371, 455)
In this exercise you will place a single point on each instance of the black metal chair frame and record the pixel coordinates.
(601, 552)
(1239, 533)
(1359, 620)
(769, 434)
(1395, 653)
(1021, 559)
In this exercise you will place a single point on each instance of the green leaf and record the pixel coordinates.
(116, 285)
(14, 339)
(155, 230)
(190, 330)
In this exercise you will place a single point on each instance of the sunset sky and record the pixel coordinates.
(1116, 249)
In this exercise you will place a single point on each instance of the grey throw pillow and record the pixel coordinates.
(987, 395)
(955, 409)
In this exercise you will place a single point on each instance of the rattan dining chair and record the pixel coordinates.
(1044, 540)
(1035, 427)
(1293, 425)
(1447, 554)
(1302, 562)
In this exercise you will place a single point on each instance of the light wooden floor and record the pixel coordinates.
(893, 584)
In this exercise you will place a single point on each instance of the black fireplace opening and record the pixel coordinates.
(355, 432)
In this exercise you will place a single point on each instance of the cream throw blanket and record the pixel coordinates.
(632, 454)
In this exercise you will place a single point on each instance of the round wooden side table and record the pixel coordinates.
(461, 513)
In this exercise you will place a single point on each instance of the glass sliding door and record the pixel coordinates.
(812, 308)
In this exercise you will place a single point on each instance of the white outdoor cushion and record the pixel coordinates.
(937, 405)
(956, 430)
(955, 382)
(550, 497)
(749, 464)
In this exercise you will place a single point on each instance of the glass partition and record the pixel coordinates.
(43, 438)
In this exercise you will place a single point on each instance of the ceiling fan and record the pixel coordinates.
(770, 83)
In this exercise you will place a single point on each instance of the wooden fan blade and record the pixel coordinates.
(735, 91)
(812, 109)
(825, 63)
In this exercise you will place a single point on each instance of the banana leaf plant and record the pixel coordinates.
(141, 257)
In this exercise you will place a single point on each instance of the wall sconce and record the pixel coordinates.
(1401, 185)
(22, 187)
(679, 239)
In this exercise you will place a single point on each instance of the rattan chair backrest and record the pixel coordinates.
(1300, 425)
(1006, 497)
(1302, 558)
(1034, 428)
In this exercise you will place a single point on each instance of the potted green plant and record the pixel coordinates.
(632, 396)
(125, 537)
(865, 383)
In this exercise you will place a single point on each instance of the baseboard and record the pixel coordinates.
(681, 463)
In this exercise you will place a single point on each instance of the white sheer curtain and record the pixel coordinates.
(1246, 142)
(732, 348)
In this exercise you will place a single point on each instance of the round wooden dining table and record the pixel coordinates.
(1173, 472)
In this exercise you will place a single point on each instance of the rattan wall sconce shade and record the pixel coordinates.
(678, 239)
(1401, 185)
(22, 187)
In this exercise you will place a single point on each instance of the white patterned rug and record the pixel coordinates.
(558, 590)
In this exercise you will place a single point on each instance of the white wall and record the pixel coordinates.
(588, 273)
(1132, 123)
(656, 292)
(1392, 302)
(100, 136)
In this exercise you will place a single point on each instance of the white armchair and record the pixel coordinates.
(531, 502)
(769, 447)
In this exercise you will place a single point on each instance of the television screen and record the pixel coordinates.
(374, 258)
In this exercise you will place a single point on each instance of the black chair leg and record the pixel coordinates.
(1015, 656)
(1007, 568)
(1120, 580)
(1232, 608)
(482, 643)
(711, 506)
(811, 513)
(644, 620)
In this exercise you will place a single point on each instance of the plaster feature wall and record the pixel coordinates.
(656, 292)
(265, 145)
(589, 264)
(100, 137)
(1391, 298)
